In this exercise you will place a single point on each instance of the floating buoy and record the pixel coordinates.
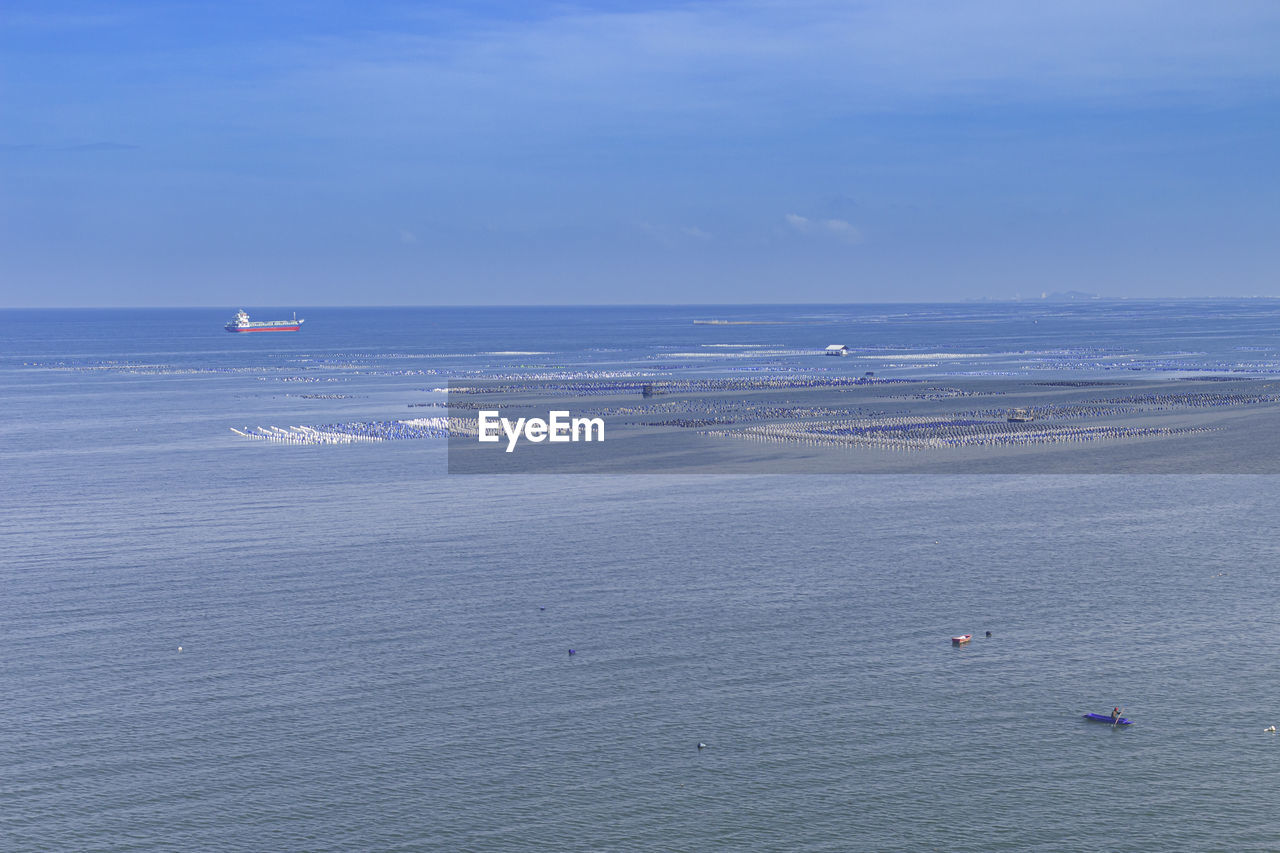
(572, 652)
(179, 648)
(702, 745)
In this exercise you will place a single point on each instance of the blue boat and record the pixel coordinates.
(1106, 718)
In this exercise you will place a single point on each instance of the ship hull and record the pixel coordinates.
(265, 328)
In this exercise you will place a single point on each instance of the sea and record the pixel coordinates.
(213, 643)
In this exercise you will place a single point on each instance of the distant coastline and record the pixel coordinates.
(739, 323)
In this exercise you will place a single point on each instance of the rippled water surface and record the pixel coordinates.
(216, 644)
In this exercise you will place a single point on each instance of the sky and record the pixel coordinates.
(724, 151)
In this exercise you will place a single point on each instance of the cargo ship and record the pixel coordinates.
(242, 323)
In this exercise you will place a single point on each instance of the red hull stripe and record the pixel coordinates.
(269, 329)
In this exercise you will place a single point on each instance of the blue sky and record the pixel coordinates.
(311, 153)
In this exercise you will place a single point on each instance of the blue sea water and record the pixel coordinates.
(218, 644)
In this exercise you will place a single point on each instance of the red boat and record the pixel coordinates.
(962, 638)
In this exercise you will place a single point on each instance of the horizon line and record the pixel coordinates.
(965, 301)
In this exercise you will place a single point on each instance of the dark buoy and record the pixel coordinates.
(701, 745)
(988, 633)
(571, 651)
(542, 608)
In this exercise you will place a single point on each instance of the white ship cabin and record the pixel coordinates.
(837, 349)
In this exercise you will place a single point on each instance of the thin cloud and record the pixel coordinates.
(101, 146)
(738, 66)
(845, 232)
(84, 146)
(60, 21)
(722, 55)
(674, 236)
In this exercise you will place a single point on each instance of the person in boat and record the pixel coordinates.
(1115, 714)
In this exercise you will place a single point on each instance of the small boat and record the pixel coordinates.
(962, 638)
(1107, 718)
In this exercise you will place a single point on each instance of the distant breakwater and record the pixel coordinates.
(358, 431)
(900, 434)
